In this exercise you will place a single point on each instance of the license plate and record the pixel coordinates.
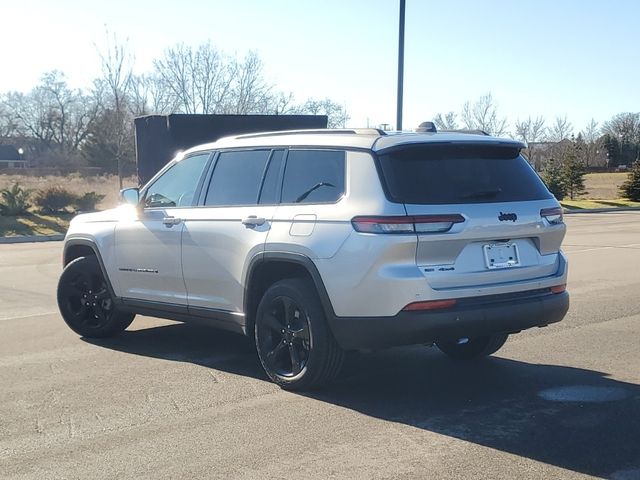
(501, 255)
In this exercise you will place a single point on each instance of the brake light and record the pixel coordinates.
(430, 305)
(559, 288)
(406, 224)
(552, 215)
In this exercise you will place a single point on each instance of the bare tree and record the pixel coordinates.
(591, 135)
(336, 113)
(561, 129)
(57, 117)
(249, 92)
(483, 115)
(196, 80)
(117, 71)
(448, 121)
(624, 126)
(531, 131)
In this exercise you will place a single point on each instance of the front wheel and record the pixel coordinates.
(473, 348)
(294, 343)
(85, 302)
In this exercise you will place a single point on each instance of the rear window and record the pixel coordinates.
(450, 174)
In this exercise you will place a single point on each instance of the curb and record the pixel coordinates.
(31, 238)
(600, 210)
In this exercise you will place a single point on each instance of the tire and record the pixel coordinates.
(295, 345)
(473, 349)
(86, 303)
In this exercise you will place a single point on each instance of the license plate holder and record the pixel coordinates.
(501, 255)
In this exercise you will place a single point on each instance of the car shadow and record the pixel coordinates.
(572, 418)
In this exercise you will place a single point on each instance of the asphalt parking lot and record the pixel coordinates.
(167, 400)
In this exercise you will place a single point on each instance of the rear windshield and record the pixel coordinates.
(450, 174)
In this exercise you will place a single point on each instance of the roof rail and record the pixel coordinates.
(323, 131)
(476, 131)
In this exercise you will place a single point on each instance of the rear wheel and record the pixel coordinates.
(85, 302)
(473, 348)
(294, 343)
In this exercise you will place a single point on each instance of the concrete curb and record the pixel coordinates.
(31, 238)
(600, 210)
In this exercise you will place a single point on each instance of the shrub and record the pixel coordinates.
(54, 199)
(553, 177)
(88, 201)
(15, 200)
(631, 187)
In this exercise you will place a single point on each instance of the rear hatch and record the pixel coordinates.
(503, 224)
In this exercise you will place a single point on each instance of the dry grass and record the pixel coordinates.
(34, 224)
(604, 185)
(105, 185)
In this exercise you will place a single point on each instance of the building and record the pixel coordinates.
(11, 157)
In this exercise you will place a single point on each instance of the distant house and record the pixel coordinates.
(11, 157)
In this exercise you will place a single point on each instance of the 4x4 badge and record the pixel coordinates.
(504, 217)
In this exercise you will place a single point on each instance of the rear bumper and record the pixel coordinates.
(479, 316)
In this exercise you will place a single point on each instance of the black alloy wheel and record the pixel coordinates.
(86, 303)
(286, 337)
(294, 342)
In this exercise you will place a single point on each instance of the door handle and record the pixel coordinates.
(253, 221)
(171, 221)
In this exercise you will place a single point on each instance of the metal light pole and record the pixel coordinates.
(400, 65)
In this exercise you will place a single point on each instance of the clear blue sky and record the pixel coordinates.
(538, 57)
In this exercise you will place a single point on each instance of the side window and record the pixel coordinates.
(237, 177)
(313, 176)
(176, 186)
(269, 193)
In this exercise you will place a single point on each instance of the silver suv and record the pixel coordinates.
(318, 242)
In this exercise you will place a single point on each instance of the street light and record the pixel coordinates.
(400, 65)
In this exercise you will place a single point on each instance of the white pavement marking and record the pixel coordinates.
(608, 247)
(28, 316)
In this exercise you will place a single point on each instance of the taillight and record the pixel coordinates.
(552, 215)
(429, 305)
(559, 288)
(406, 224)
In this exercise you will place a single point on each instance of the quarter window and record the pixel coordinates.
(176, 186)
(237, 177)
(313, 176)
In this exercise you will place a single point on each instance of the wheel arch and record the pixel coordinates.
(269, 267)
(81, 247)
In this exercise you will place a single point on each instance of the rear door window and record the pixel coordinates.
(313, 176)
(455, 174)
(237, 177)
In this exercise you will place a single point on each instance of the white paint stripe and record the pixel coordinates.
(609, 247)
(28, 316)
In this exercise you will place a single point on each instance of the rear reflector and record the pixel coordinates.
(430, 305)
(552, 215)
(406, 224)
(559, 288)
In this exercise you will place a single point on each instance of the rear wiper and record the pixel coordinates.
(483, 193)
(312, 189)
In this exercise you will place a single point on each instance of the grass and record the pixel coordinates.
(106, 185)
(603, 185)
(587, 204)
(39, 224)
(34, 224)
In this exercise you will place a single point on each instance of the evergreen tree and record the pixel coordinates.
(612, 147)
(553, 177)
(573, 172)
(631, 188)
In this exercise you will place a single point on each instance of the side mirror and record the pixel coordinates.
(130, 196)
